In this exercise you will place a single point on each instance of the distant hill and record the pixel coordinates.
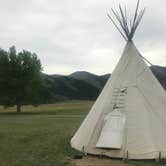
(61, 87)
(160, 73)
(82, 85)
(95, 80)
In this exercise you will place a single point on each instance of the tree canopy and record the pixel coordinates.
(20, 78)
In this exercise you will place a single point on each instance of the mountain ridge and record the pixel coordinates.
(83, 85)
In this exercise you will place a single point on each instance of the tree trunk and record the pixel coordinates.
(18, 108)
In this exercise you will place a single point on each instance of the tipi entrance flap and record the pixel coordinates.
(112, 132)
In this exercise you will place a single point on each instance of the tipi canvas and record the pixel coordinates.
(128, 120)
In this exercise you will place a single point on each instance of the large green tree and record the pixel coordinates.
(20, 78)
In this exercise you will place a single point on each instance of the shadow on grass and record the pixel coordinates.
(130, 162)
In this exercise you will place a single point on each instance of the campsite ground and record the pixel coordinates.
(40, 136)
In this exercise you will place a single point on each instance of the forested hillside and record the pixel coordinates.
(83, 85)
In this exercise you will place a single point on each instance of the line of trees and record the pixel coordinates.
(20, 78)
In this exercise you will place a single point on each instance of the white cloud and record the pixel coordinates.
(77, 35)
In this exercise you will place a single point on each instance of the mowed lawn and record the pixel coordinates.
(40, 136)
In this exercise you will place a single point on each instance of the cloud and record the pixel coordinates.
(77, 35)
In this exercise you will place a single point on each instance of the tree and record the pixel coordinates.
(20, 78)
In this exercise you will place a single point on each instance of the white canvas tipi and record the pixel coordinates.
(128, 120)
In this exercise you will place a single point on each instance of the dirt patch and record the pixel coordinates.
(2, 163)
(95, 161)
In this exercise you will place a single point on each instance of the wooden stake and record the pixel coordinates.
(159, 156)
(127, 156)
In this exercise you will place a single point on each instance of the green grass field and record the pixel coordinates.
(40, 136)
